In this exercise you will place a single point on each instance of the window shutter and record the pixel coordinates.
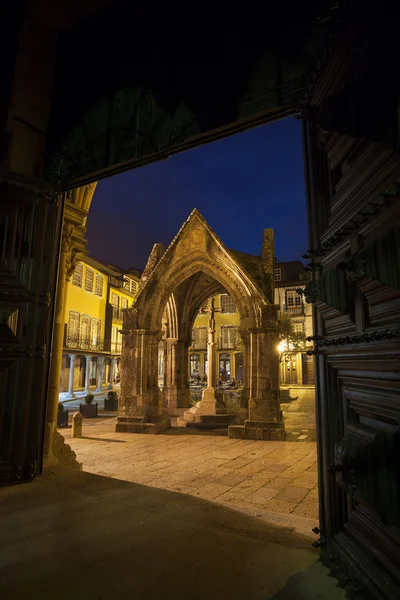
(99, 285)
(78, 275)
(73, 328)
(89, 280)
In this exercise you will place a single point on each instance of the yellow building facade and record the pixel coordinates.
(229, 356)
(95, 297)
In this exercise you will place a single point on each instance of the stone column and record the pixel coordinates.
(209, 403)
(262, 369)
(71, 394)
(111, 374)
(140, 406)
(99, 373)
(87, 373)
(73, 244)
(176, 390)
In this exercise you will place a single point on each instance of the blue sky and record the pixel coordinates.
(241, 185)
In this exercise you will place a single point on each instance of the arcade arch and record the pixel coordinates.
(194, 267)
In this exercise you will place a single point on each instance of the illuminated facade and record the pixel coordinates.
(95, 297)
(229, 344)
(296, 367)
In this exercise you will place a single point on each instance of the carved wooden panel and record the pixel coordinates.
(29, 223)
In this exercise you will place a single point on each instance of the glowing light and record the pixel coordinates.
(285, 346)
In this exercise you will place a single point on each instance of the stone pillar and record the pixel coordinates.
(264, 420)
(99, 374)
(111, 374)
(71, 394)
(87, 373)
(140, 406)
(176, 390)
(73, 244)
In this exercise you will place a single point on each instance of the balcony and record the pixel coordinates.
(295, 310)
(84, 343)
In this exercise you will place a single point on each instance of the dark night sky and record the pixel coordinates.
(241, 185)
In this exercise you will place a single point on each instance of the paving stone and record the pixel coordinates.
(280, 506)
(279, 483)
(231, 479)
(243, 474)
(307, 479)
(211, 491)
(261, 496)
(292, 494)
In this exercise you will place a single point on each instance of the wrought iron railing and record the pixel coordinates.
(295, 310)
(85, 343)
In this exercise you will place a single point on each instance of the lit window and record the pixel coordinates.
(293, 299)
(96, 332)
(227, 336)
(228, 305)
(86, 323)
(199, 338)
(89, 280)
(77, 277)
(133, 286)
(124, 303)
(99, 285)
(278, 274)
(73, 328)
(115, 300)
(298, 327)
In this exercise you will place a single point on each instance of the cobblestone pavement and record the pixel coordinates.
(274, 481)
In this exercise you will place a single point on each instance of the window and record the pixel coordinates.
(77, 277)
(227, 336)
(199, 338)
(278, 274)
(133, 286)
(96, 332)
(298, 327)
(73, 329)
(99, 285)
(293, 299)
(115, 300)
(194, 364)
(86, 322)
(228, 305)
(89, 280)
(116, 340)
(124, 303)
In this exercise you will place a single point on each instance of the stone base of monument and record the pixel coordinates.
(258, 430)
(139, 425)
(209, 413)
(218, 421)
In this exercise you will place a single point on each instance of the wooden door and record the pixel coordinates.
(30, 221)
(352, 174)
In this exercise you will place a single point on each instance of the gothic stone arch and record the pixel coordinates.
(195, 265)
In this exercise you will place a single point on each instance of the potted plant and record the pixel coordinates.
(88, 409)
(111, 402)
(62, 416)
